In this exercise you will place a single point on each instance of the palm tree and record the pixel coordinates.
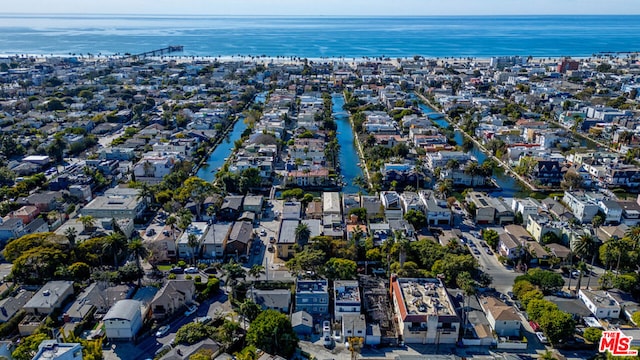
(146, 193)
(466, 284)
(71, 233)
(171, 221)
(87, 221)
(302, 234)
(633, 234)
(256, 270)
(402, 245)
(233, 271)
(138, 250)
(115, 244)
(192, 241)
(452, 164)
(445, 188)
(586, 246)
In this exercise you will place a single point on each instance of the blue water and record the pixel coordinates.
(475, 36)
(223, 150)
(509, 187)
(348, 153)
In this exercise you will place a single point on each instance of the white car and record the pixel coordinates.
(191, 310)
(162, 331)
(263, 232)
(542, 338)
(191, 270)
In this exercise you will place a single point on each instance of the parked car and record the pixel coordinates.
(203, 320)
(191, 270)
(534, 326)
(542, 338)
(489, 252)
(263, 232)
(326, 327)
(272, 240)
(177, 270)
(190, 310)
(511, 295)
(151, 232)
(162, 331)
(327, 341)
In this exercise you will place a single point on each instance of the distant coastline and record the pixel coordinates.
(322, 37)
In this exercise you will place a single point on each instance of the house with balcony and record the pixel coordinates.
(424, 310)
(583, 207)
(540, 224)
(312, 296)
(213, 243)
(197, 229)
(485, 211)
(49, 298)
(503, 319)
(151, 169)
(392, 205)
(612, 211)
(346, 299)
(116, 205)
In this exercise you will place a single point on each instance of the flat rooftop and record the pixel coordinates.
(347, 291)
(425, 297)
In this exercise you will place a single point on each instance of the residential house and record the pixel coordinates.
(353, 325)
(437, 210)
(600, 303)
(525, 207)
(509, 247)
(504, 319)
(214, 239)
(484, 208)
(197, 229)
(291, 210)
(286, 238)
(346, 299)
(540, 224)
(152, 169)
(411, 201)
(95, 299)
(503, 213)
(231, 207)
(36, 226)
(49, 298)
(253, 203)
(584, 208)
(116, 205)
(612, 211)
(628, 304)
(547, 172)
(11, 305)
(308, 178)
(302, 323)
(26, 214)
(331, 204)
(373, 205)
(392, 204)
(172, 297)
(425, 312)
(163, 244)
(44, 201)
(11, 229)
(123, 320)
(314, 210)
(239, 240)
(312, 296)
(274, 299)
(54, 350)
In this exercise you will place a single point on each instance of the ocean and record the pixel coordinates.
(318, 37)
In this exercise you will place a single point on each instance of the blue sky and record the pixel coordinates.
(325, 7)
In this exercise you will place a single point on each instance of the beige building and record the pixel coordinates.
(172, 297)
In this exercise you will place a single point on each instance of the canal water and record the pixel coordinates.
(509, 186)
(348, 152)
(219, 155)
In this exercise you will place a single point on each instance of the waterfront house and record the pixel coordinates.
(308, 178)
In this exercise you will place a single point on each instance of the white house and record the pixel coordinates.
(123, 320)
(504, 319)
(600, 303)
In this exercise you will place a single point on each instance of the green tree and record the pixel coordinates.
(139, 251)
(194, 244)
(87, 221)
(256, 271)
(302, 234)
(491, 237)
(192, 332)
(80, 271)
(233, 273)
(306, 260)
(416, 218)
(557, 325)
(249, 309)
(271, 331)
(635, 317)
(340, 269)
(592, 335)
(197, 190)
(537, 307)
(28, 346)
(361, 213)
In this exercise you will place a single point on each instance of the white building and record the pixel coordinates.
(504, 319)
(199, 229)
(53, 350)
(424, 310)
(123, 320)
(600, 303)
(347, 298)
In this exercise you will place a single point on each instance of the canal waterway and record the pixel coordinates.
(219, 155)
(348, 158)
(509, 186)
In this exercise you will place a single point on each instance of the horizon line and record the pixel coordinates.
(303, 15)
